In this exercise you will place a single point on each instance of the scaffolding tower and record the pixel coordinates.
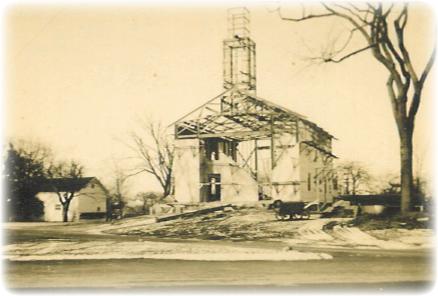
(239, 53)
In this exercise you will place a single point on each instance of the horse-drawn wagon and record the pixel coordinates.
(291, 210)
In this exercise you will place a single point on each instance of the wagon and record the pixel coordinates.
(290, 210)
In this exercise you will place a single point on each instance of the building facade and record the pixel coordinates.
(236, 159)
(89, 201)
(238, 147)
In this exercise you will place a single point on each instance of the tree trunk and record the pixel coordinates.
(65, 212)
(166, 191)
(167, 188)
(406, 175)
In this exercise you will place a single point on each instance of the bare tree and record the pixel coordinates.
(355, 176)
(118, 192)
(389, 184)
(154, 150)
(148, 199)
(382, 27)
(120, 180)
(72, 170)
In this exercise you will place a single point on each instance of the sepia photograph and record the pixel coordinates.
(279, 145)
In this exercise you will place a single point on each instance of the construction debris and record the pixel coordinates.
(193, 213)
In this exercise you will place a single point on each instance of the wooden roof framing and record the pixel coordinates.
(234, 115)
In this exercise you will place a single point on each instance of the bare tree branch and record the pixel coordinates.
(349, 55)
(358, 17)
(155, 153)
(404, 85)
(428, 67)
(303, 17)
(350, 19)
(413, 109)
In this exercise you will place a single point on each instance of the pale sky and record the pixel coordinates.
(76, 78)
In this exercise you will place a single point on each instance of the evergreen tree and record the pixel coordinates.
(23, 174)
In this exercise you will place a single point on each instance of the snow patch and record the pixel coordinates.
(312, 233)
(151, 250)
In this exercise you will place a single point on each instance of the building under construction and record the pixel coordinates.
(238, 147)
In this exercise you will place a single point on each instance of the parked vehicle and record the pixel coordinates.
(291, 210)
(114, 210)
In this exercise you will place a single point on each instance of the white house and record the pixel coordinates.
(89, 201)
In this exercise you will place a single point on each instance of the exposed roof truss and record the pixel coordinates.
(235, 115)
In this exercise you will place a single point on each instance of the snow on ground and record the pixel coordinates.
(421, 238)
(312, 233)
(262, 225)
(358, 238)
(64, 250)
(129, 223)
(245, 224)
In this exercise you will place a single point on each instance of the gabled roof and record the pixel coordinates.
(65, 184)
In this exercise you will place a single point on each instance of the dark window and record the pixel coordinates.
(225, 146)
(234, 150)
(214, 190)
(212, 149)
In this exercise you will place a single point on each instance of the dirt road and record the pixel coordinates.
(375, 271)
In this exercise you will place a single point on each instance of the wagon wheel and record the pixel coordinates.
(293, 216)
(282, 217)
(305, 215)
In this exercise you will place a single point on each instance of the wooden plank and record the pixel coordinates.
(272, 145)
(256, 160)
(203, 105)
(191, 213)
(250, 134)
